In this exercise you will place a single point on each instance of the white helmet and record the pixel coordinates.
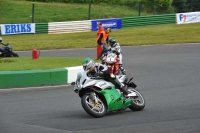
(88, 64)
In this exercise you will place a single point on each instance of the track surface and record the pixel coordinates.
(167, 75)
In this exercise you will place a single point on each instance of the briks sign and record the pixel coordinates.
(8, 29)
(191, 17)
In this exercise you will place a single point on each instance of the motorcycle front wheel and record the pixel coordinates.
(96, 110)
(15, 55)
(138, 102)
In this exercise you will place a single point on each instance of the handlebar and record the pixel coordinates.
(5, 44)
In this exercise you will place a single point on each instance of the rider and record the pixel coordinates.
(115, 48)
(1, 42)
(98, 69)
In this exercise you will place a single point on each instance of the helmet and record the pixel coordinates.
(109, 30)
(88, 64)
(1, 39)
(112, 42)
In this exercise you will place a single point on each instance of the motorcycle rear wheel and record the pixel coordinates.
(96, 110)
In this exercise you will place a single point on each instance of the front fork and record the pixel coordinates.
(116, 68)
(112, 67)
(93, 97)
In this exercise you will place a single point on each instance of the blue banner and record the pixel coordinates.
(115, 23)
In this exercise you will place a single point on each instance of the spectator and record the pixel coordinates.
(100, 28)
(101, 40)
(107, 34)
(99, 47)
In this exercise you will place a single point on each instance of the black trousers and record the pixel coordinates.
(103, 51)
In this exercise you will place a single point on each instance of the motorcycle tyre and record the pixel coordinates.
(15, 55)
(89, 111)
(134, 106)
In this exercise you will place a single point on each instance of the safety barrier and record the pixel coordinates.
(90, 25)
(41, 28)
(29, 78)
(34, 78)
(69, 27)
(148, 20)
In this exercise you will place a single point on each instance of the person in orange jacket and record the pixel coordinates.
(100, 28)
(99, 47)
(102, 40)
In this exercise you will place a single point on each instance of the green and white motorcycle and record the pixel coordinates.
(99, 96)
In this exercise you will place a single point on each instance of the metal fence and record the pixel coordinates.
(41, 28)
(55, 12)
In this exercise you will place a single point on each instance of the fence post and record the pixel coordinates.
(89, 10)
(191, 5)
(139, 8)
(33, 6)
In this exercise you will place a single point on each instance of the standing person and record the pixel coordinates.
(102, 40)
(99, 47)
(107, 34)
(100, 28)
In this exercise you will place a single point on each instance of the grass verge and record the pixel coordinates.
(19, 11)
(163, 34)
(22, 63)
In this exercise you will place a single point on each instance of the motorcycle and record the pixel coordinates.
(8, 52)
(99, 96)
(111, 60)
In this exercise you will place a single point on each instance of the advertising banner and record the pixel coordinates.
(184, 18)
(7, 29)
(115, 23)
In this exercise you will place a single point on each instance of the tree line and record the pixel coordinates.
(162, 6)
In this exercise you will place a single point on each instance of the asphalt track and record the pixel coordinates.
(167, 75)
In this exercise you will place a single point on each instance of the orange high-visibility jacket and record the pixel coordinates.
(99, 31)
(102, 37)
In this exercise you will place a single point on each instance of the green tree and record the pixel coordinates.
(180, 6)
(158, 5)
(194, 5)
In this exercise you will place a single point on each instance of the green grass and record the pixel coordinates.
(14, 11)
(163, 34)
(23, 63)
(166, 34)
(19, 11)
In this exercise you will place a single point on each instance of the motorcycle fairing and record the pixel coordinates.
(98, 83)
(114, 99)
